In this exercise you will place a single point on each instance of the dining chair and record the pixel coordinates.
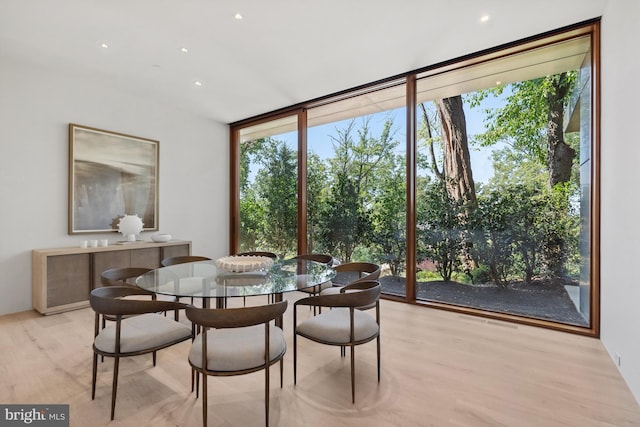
(124, 276)
(237, 341)
(270, 298)
(323, 259)
(144, 331)
(183, 259)
(344, 325)
(121, 276)
(259, 253)
(352, 272)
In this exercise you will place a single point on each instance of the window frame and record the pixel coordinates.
(588, 28)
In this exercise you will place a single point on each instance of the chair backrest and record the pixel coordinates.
(236, 317)
(121, 276)
(362, 270)
(183, 259)
(259, 253)
(368, 293)
(109, 300)
(321, 258)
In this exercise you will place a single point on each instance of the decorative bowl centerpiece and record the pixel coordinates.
(244, 263)
(161, 237)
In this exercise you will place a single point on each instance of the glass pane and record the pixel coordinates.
(503, 185)
(268, 187)
(356, 181)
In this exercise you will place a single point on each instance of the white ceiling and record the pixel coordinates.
(281, 53)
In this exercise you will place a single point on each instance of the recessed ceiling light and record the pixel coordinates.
(184, 49)
(485, 18)
(104, 45)
(238, 16)
(197, 83)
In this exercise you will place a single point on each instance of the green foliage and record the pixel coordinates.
(561, 225)
(388, 219)
(317, 194)
(434, 276)
(522, 122)
(343, 223)
(268, 206)
(481, 274)
(521, 227)
(440, 229)
(492, 242)
(251, 222)
(364, 176)
(428, 276)
(513, 226)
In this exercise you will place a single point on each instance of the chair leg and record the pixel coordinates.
(154, 358)
(104, 324)
(114, 387)
(266, 394)
(95, 374)
(204, 400)
(353, 375)
(197, 384)
(378, 345)
(295, 356)
(281, 371)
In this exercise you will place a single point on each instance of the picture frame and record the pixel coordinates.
(111, 175)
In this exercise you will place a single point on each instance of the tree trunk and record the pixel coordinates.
(560, 161)
(427, 123)
(457, 162)
(458, 177)
(560, 155)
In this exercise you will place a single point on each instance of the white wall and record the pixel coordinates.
(36, 106)
(620, 175)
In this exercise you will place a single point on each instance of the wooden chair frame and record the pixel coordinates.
(236, 318)
(109, 301)
(368, 293)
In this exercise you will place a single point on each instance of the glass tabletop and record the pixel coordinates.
(203, 279)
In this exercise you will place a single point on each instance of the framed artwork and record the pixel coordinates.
(111, 175)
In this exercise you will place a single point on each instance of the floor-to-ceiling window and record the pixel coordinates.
(268, 187)
(478, 195)
(503, 184)
(356, 179)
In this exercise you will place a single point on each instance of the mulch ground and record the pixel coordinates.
(540, 299)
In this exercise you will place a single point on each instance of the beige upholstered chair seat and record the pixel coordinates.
(142, 332)
(137, 327)
(331, 290)
(345, 325)
(237, 349)
(237, 341)
(318, 288)
(334, 326)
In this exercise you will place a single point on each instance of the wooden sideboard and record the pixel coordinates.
(62, 278)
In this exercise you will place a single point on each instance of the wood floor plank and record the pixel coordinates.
(438, 369)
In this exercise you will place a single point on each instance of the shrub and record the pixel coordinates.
(481, 274)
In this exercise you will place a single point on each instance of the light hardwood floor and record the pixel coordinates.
(438, 369)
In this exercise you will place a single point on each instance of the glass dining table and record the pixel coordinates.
(202, 279)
